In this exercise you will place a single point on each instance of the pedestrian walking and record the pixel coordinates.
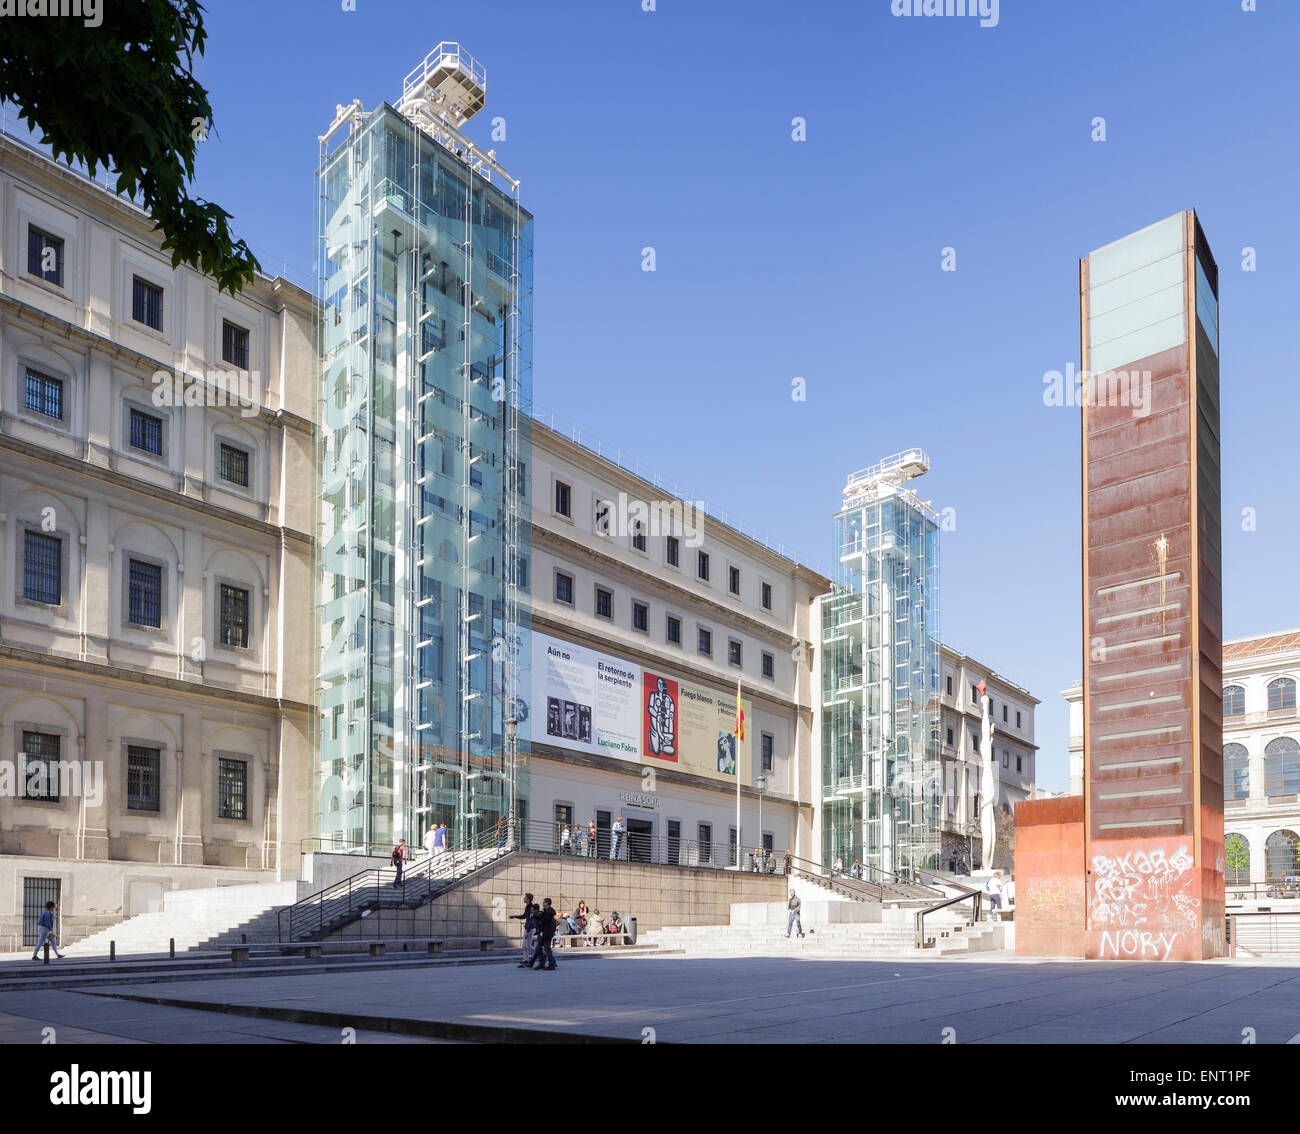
(993, 887)
(542, 954)
(46, 926)
(398, 860)
(793, 905)
(429, 837)
(440, 839)
(526, 917)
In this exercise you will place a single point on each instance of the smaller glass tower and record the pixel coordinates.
(880, 783)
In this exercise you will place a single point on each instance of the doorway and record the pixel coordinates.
(640, 840)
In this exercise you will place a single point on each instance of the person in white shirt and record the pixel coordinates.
(993, 887)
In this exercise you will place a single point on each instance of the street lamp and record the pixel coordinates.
(761, 784)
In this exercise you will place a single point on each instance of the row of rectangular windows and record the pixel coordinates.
(145, 430)
(974, 698)
(45, 256)
(40, 779)
(1006, 755)
(604, 608)
(672, 546)
(43, 583)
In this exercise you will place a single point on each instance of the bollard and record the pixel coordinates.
(47, 951)
(112, 950)
(171, 947)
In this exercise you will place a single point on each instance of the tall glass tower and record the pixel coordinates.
(881, 783)
(424, 384)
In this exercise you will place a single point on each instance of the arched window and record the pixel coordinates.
(1234, 701)
(1236, 772)
(1236, 859)
(1281, 695)
(1280, 855)
(1282, 767)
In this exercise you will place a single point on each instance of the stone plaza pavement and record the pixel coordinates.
(990, 998)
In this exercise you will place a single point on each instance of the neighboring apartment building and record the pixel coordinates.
(634, 611)
(1011, 715)
(1261, 755)
(154, 558)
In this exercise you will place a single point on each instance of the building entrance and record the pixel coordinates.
(640, 840)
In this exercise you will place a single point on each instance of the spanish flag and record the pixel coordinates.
(739, 731)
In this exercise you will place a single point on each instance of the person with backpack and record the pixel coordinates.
(398, 858)
(545, 918)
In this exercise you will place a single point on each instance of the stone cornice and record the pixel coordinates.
(41, 662)
(120, 480)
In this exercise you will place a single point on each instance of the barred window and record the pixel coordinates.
(640, 616)
(232, 789)
(146, 432)
(234, 616)
(234, 344)
(44, 395)
(144, 594)
(143, 778)
(44, 255)
(232, 464)
(146, 303)
(42, 568)
(40, 772)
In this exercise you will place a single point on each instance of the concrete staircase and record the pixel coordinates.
(198, 919)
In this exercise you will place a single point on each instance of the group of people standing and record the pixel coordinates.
(542, 924)
(585, 841)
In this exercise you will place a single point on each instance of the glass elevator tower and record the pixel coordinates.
(880, 783)
(423, 340)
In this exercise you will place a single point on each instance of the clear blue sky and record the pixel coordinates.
(821, 259)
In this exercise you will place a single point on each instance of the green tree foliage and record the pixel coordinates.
(1236, 855)
(121, 95)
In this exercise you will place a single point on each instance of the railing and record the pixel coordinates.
(545, 836)
(1255, 891)
(1264, 931)
(974, 897)
(859, 889)
(376, 888)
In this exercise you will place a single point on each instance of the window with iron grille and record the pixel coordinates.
(144, 594)
(234, 344)
(143, 778)
(146, 303)
(45, 255)
(232, 464)
(36, 892)
(40, 767)
(604, 603)
(146, 432)
(42, 568)
(44, 395)
(232, 789)
(234, 616)
(640, 616)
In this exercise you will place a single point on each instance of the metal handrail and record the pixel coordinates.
(974, 897)
(376, 887)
